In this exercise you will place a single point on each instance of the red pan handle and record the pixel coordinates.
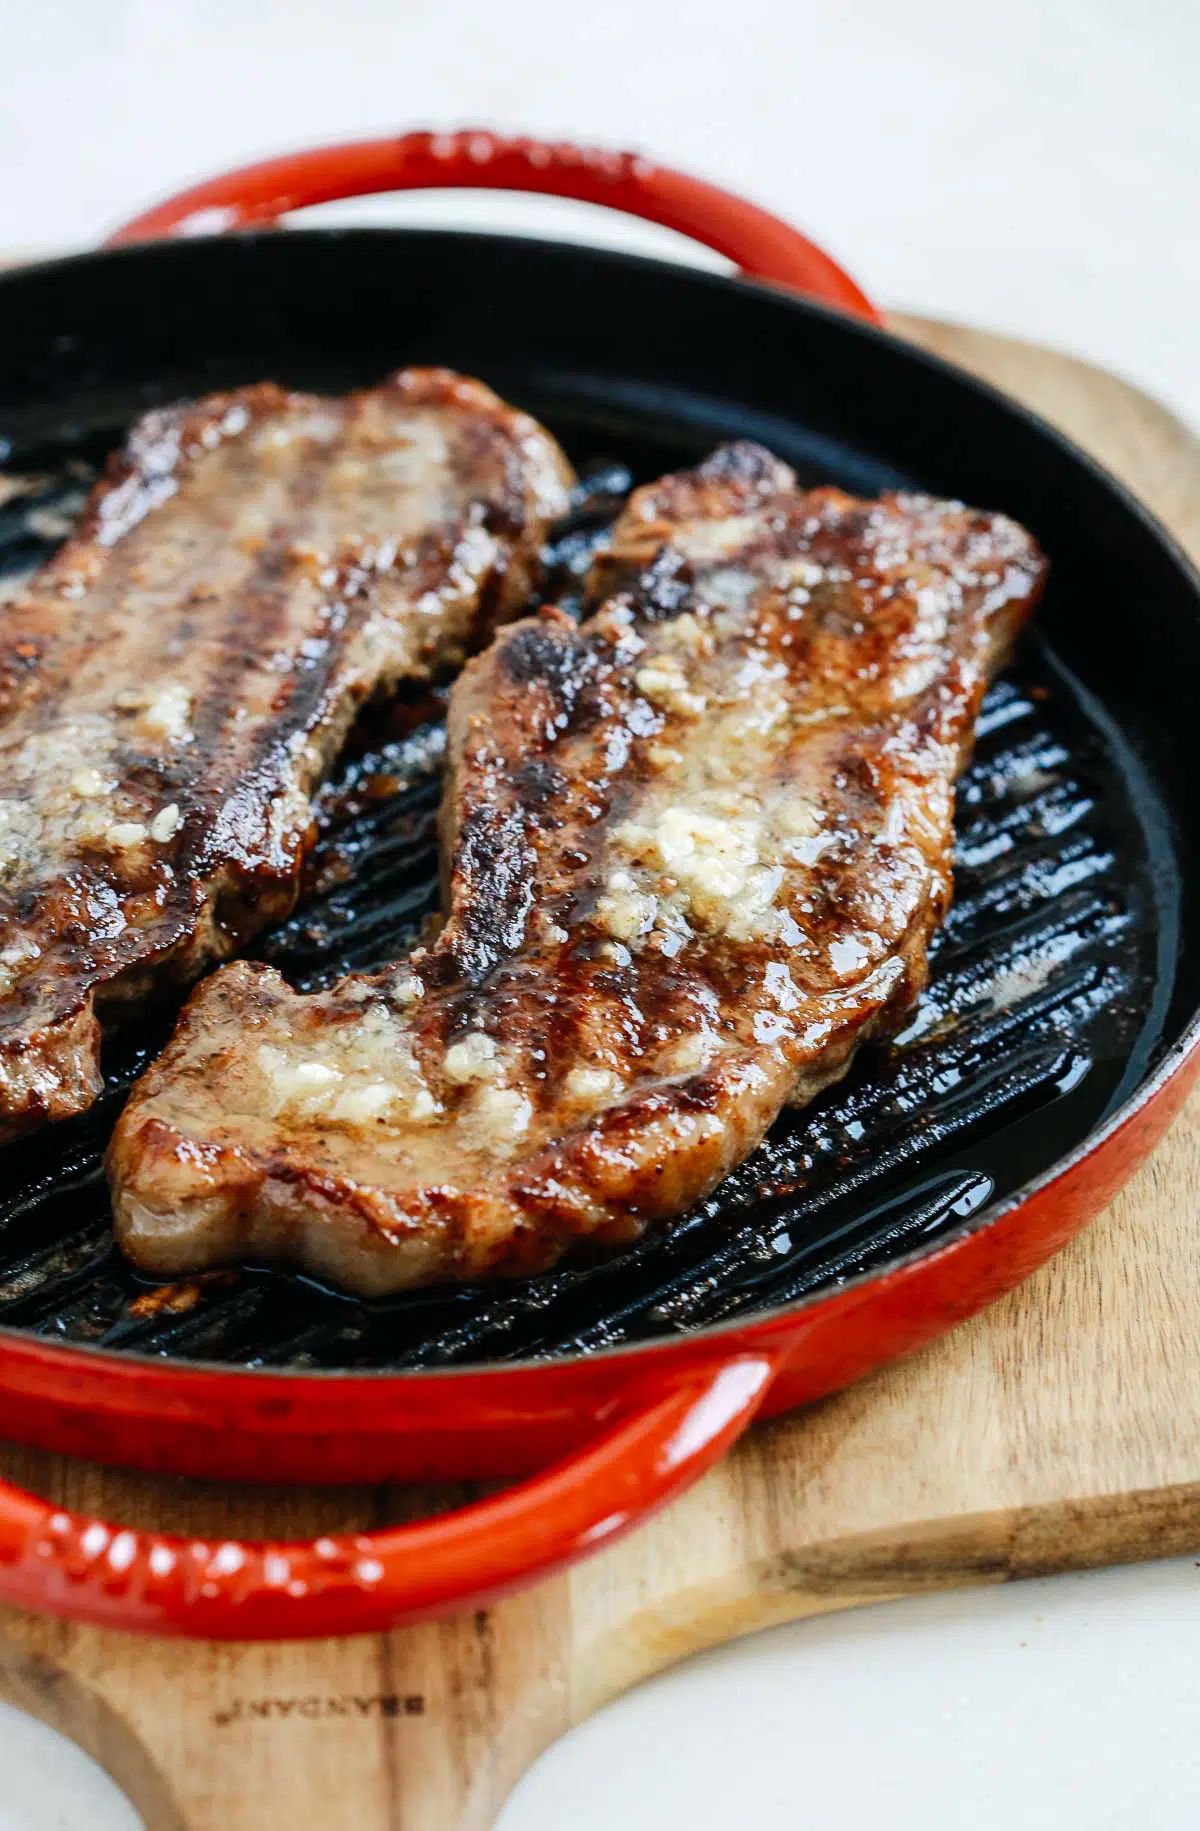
(87, 1570)
(763, 246)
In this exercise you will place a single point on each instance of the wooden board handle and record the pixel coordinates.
(257, 196)
(87, 1570)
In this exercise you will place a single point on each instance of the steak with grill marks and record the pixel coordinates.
(173, 684)
(696, 849)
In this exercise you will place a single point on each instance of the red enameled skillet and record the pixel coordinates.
(1076, 886)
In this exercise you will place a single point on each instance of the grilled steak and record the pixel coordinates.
(175, 681)
(696, 850)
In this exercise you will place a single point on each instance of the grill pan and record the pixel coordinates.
(1055, 1042)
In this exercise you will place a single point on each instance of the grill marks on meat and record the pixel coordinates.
(695, 848)
(174, 683)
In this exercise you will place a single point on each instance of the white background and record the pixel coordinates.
(1031, 165)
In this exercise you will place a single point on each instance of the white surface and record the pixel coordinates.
(51, 1785)
(1053, 1706)
(1033, 165)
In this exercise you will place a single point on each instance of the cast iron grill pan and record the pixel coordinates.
(1045, 1007)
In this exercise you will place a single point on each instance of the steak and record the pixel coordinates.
(695, 852)
(173, 684)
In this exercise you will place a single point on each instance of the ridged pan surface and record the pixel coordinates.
(1047, 1000)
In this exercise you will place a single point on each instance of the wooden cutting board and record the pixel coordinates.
(1059, 1430)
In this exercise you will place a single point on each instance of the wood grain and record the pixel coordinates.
(1059, 1430)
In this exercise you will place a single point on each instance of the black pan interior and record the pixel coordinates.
(1063, 974)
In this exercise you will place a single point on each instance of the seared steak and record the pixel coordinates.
(174, 683)
(696, 850)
